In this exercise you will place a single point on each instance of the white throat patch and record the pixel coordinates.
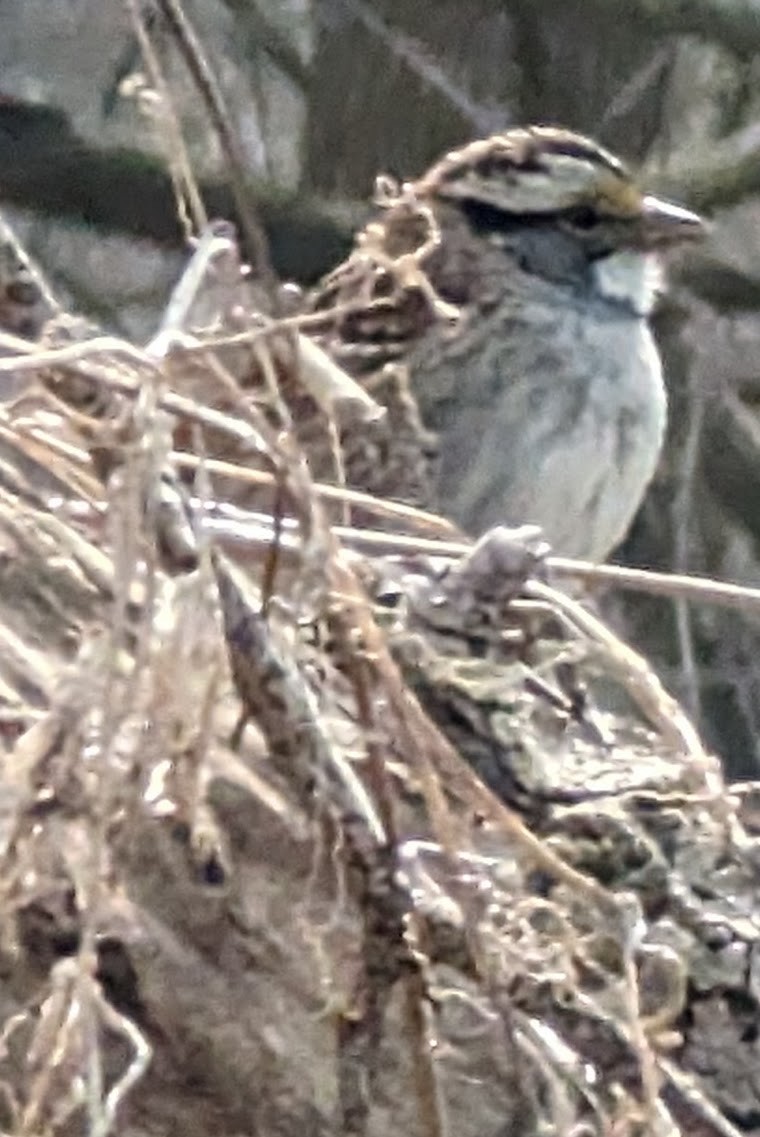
(630, 278)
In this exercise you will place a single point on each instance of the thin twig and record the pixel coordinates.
(681, 513)
(31, 358)
(213, 99)
(190, 208)
(660, 708)
(696, 589)
(420, 519)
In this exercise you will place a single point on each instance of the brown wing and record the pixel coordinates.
(377, 306)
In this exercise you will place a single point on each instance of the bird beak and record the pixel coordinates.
(662, 224)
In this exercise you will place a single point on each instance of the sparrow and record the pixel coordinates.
(511, 286)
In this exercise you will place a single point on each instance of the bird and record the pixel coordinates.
(513, 283)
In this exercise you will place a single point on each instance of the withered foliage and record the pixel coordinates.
(314, 817)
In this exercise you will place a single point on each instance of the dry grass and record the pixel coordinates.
(306, 825)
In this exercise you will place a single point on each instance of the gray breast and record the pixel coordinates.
(550, 409)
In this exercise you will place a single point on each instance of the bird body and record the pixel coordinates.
(565, 423)
(515, 280)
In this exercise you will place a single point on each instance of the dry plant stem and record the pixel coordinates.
(60, 1047)
(32, 357)
(75, 1008)
(41, 446)
(662, 584)
(301, 323)
(705, 1118)
(662, 711)
(264, 360)
(416, 1011)
(385, 953)
(378, 777)
(288, 465)
(250, 429)
(210, 245)
(696, 589)
(334, 447)
(632, 917)
(557, 1063)
(96, 565)
(272, 561)
(649, 1076)
(78, 354)
(143, 1053)
(185, 185)
(681, 517)
(24, 660)
(356, 612)
(361, 1036)
(350, 613)
(693, 588)
(276, 695)
(419, 518)
(211, 94)
(332, 389)
(658, 706)
(533, 1044)
(593, 1035)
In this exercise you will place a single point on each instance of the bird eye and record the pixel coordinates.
(584, 217)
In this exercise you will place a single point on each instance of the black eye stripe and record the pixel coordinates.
(484, 217)
(584, 217)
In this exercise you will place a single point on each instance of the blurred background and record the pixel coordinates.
(325, 94)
